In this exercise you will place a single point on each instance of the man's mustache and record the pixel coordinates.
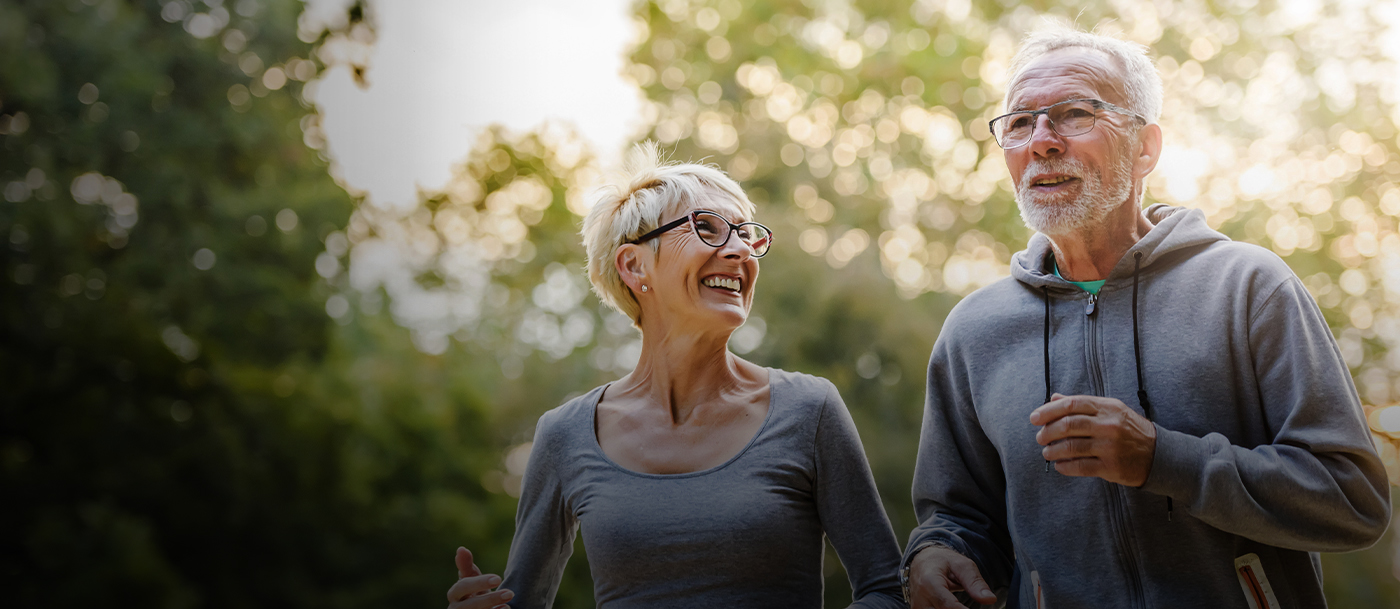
(1070, 167)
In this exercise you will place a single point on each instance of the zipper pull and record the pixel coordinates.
(1089, 308)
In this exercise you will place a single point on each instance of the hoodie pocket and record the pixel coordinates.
(1255, 584)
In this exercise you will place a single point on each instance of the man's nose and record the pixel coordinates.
(1044, 140)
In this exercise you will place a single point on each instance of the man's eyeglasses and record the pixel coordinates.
(1068, 118)
(714, 230)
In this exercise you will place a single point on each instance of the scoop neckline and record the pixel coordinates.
(773, 379)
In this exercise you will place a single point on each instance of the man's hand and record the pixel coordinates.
(1086, 435)
(937, 572)
(473, 590)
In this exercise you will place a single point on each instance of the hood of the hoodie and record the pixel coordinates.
(1181, 230)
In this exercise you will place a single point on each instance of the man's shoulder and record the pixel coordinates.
(1253, 266)
(1244, 255)
(989, 307)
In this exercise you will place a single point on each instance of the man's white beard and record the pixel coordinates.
(1044, 214)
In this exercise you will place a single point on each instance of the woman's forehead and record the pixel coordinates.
(720, 203)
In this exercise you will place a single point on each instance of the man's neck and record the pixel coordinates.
(1091, 253)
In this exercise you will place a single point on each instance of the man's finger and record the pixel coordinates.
(1072, 448)
(1085, 467)
(931, 581)
(1069, 426)
(965, 571)
(936, 596)
(1062, 406)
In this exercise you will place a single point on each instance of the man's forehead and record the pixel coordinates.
(1067, 73)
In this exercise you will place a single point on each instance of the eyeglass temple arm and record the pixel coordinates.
(661, 229)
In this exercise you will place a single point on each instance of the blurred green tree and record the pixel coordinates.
(183, 424)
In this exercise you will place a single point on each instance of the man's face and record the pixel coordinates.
(1064, 184)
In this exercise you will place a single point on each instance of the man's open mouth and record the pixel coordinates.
(1055, 181)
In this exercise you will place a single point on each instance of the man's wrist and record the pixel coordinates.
(905, 568)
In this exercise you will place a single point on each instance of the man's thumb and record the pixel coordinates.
(972, 582)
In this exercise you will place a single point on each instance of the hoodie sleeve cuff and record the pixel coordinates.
(926, 541)
(1177, 463)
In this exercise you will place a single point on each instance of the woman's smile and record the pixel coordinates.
(723, 283)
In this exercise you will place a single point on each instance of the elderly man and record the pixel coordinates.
(1197, 438)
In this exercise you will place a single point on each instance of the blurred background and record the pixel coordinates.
(287, 285)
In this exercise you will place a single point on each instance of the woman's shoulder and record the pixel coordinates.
(800, 381)
(811, 409)
(563, 423)
(805, 391)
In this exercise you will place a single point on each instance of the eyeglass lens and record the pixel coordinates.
(1067, 119)
(714, 230)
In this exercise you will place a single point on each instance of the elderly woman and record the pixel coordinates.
(699, 479)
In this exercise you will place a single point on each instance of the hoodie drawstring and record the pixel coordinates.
(1137, 348)
(1137, 358)
(1137, 353)
(1045, 291)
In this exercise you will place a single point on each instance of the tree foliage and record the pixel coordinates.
(229, 383)
(183, 423)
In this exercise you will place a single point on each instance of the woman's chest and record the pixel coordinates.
(642, 439)
(638, 524)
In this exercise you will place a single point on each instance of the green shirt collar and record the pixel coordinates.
(1091, 287)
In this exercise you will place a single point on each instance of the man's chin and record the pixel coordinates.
(1050, 200)
(1046, 211)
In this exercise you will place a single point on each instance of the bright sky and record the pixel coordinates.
(443, 69)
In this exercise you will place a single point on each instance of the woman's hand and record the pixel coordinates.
(473, 589)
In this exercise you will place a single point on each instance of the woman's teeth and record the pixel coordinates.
(727, 283)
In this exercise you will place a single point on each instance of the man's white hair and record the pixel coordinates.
(1141, 83)
(648, 189)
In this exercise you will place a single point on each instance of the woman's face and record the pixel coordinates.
(696, 283)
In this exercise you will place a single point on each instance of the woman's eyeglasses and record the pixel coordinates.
(714, 230)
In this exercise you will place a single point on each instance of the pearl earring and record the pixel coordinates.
(644, 287)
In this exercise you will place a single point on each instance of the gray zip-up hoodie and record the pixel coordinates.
(1262, 458)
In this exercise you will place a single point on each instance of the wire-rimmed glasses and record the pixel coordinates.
(1068, 118)
(714, 230)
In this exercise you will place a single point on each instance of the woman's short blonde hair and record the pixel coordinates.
(649, 188)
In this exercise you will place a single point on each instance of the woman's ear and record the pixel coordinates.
(632, 266)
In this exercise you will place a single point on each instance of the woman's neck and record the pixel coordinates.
(682, 371)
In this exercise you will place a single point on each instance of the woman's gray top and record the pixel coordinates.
(747, 533)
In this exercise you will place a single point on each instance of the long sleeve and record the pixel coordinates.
(959, 487)
(850, 510)
(1319, 485)
(544, 526)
